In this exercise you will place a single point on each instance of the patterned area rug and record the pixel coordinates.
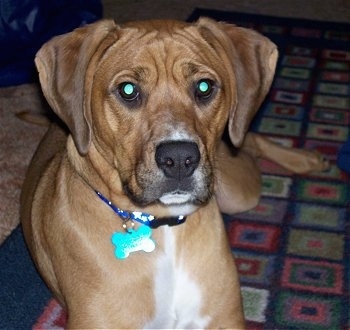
(293, 249)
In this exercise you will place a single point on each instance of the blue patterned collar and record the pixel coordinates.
(141, 217)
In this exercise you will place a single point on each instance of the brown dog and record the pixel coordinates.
(146, 105)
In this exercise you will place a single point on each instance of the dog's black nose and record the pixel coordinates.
(177, 159)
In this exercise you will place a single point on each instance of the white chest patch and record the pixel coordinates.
(178, 298)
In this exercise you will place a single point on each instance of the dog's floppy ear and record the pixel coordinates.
(253, 59)
(63, 64)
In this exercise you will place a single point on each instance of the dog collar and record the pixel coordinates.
(136, 239)
(142, 217)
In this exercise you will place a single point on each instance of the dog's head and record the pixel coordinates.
(154, 98)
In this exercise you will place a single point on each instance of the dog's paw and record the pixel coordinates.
(320, 162)
(308, 161)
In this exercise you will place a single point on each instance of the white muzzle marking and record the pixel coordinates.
(175, 198)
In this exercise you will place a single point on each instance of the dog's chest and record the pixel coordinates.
(178, 297)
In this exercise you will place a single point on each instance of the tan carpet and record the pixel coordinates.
(18, 141)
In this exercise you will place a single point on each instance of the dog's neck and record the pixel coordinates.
(142, 217)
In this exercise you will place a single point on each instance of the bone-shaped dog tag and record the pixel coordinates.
(133, 240)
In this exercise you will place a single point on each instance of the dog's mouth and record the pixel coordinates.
(176, 198)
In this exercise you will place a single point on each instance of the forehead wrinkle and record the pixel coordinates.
(190, 69)
(140, 73)
(198, 53)
(161, 58)
(197, 45)
(175, 59)
(126, 38)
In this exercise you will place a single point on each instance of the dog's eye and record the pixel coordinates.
(204, 89)
(128, 91)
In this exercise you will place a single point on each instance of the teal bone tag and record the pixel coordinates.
(133, 240)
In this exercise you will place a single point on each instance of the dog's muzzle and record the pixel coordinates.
(180, 176)
(178, 161)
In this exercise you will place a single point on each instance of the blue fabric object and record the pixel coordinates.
(343, 160)
(27, 24)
